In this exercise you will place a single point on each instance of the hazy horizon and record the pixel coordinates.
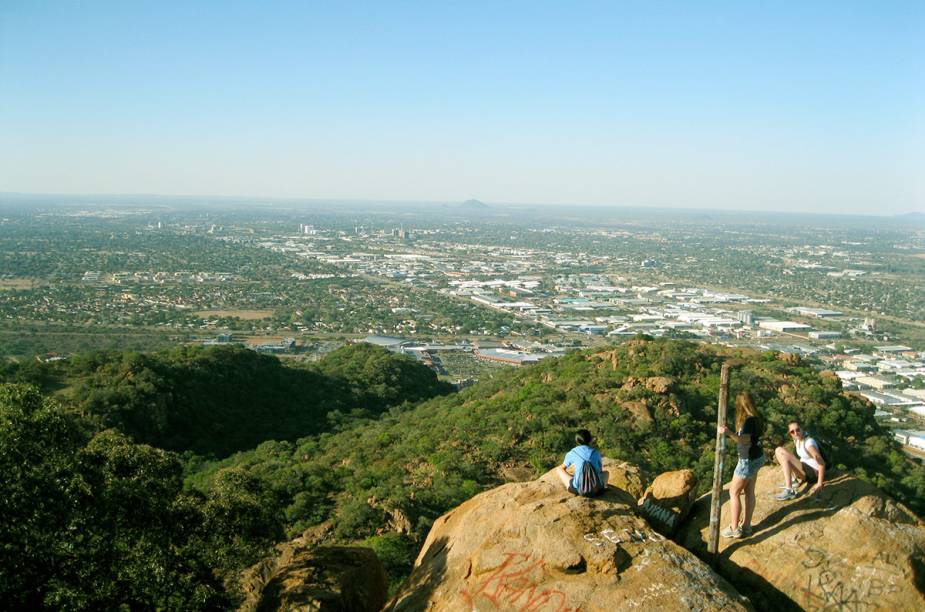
(724, 107)
(154, 199)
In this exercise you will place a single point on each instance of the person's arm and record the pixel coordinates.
(813, 450)
(566, 464)
(734, 437)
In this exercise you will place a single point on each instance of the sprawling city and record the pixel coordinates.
(472, 287)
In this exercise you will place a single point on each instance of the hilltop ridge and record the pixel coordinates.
(381, 475)
(651, 402)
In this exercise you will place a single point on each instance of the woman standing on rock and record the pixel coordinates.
(751, 458)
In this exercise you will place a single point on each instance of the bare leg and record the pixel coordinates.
(790, 464)
(605, 475)
(735, 506)
(749, 501)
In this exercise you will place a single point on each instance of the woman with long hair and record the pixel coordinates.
(748, 441)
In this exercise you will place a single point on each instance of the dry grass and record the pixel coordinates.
(255, 340)
(246, 315)
(16, 283)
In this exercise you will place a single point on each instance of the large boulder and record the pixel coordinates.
(850, 548)
(533, 546)
(668, 500)
(639, 412)
(326, 578)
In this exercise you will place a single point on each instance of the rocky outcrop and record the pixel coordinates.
(640, 413)
(655, 384)
(326, 578)
(668, 499)
(850, 548)
(604, 357)
(624, 476)
(533, 546)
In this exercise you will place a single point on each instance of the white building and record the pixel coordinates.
(875, 382)
(819, 313)
(915, 439)
(784, 326)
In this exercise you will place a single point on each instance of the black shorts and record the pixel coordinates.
(809, 471)
(574, 491)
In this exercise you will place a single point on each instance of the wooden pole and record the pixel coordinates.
(713, 544)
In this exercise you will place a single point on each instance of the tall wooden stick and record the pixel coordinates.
(713, 544)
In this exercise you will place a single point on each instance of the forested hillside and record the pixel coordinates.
(218, 400)
(94, 516)
(360, 447)
(651, 402)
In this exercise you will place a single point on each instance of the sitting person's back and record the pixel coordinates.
(588, 477)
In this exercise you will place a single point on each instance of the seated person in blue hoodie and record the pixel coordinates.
(577, 457)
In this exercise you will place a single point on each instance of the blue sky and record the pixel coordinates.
(798, 106)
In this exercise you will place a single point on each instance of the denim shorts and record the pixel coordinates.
(747, 468)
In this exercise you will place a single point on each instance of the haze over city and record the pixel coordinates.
(720, 106)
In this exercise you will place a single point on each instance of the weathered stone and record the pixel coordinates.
(849, 548)
(639, 411)
(668, 500)
(604, 357)
(674, 410)
(533, 546)
(334, 578)
(624, 476)
(513, 471)
(659, 384)
(630, 383)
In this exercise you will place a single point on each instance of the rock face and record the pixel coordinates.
(329, 578)
(640, 412)
(655, 384)
(852, 548)
(624, 476)
(533, 546)
(668, 499)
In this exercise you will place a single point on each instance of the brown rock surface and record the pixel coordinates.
(639, 410)
(327, 578)
(668, 500)
(533, 546)
(850, 548)
(659, 384)
(624, 476)
(603, 358)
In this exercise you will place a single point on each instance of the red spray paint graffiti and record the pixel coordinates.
(518, 583)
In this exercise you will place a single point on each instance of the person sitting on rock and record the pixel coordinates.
(583, 454)
(751, 458)
(807, 465)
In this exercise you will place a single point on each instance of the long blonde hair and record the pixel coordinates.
(745, 408)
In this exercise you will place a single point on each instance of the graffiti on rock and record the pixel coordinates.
(657, 513)
(518, 583)
(824, 586)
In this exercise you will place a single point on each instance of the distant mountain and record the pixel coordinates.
(474, 205)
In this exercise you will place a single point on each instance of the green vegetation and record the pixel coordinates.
(218, 400)
(97, 522)
(92, 519)
(403, 470)
(361, 444)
